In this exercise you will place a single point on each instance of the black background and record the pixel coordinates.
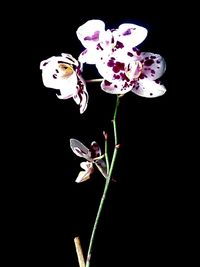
(142, 220)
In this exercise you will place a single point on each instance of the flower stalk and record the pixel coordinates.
(108, 179)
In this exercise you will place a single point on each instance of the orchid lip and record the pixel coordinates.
(65, 69)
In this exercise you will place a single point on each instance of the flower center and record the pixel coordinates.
(65, 70)
(134, 70)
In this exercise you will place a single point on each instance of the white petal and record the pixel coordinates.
(148, 88)
(89, 56)
(59, 83)
(82, 177)
(45, 62)
(68, 58)
(130, 35)
(65, 94)
(86, 165)
(65, 58)
(88, 33)
(68, 86)
(85, 175)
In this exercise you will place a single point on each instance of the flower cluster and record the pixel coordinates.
(115, 54)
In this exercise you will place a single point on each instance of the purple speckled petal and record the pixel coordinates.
(105, 68)
(89, 32)
(148, 88)
(153, 65)
(130, 35)
(81, 97)
(124, 71)
(116, 87)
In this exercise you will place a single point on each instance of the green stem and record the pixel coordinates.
(114, 119)
(89, 254)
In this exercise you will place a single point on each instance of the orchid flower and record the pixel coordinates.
(92, 155)
(100, 43)
(133, 71)
(63, 73)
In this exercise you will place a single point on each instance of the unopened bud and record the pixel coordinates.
(105, 135)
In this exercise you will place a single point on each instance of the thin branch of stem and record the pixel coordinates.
(79, 252)
(94, 80)
(106, 152)
(89, 254)
(101, 170)
(114, 120)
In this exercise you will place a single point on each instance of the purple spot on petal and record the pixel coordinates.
(148, 62)
(117, 77)
(142, 76)
(110, 63)
(119, 45)
(118, 66)
(99, 47)
(45, 63)
(107, 83)
(94, 37)
(137, 51)
(124, 77)
(130, 54)
(128, 32)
